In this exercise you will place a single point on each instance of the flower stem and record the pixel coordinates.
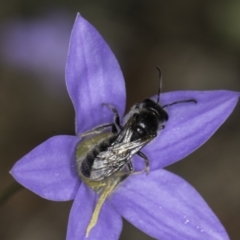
(9, 192)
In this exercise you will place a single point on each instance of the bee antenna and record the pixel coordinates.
(160, 83)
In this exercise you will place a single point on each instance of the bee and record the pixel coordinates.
(109, 153)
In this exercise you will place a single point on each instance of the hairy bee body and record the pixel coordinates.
(114, 153)
(92, 164)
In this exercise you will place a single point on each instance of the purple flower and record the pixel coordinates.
(160, 204)
(39, 45)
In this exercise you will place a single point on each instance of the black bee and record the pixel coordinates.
(113, 153)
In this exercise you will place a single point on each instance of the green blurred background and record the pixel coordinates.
(196, 44)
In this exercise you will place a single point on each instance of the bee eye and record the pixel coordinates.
(141, 131)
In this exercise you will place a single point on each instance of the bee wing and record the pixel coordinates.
(112, 160)
(126, 133)
(132, 147)
(107, 163)
(119, 153)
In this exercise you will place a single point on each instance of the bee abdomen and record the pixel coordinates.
(88, 160)
(87, 164)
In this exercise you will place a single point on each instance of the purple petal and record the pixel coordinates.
(49, 169)
(93, 77)
(165, 206)
(38, 45)
(189, 125)
(109, 224)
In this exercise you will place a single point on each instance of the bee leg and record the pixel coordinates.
(126, 173)
(146, 168)
(115, 126)
(182, 101)
(116, 115)
(130, 167)
(146, 160)
(97, 129)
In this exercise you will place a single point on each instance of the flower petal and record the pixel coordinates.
(109, 224)
(49, 169)
(189, 125)
(93, 77)
(165, 206)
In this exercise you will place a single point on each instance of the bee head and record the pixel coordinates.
(154, 107)
(148, 119)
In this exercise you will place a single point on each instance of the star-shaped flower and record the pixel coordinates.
(160, 204)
